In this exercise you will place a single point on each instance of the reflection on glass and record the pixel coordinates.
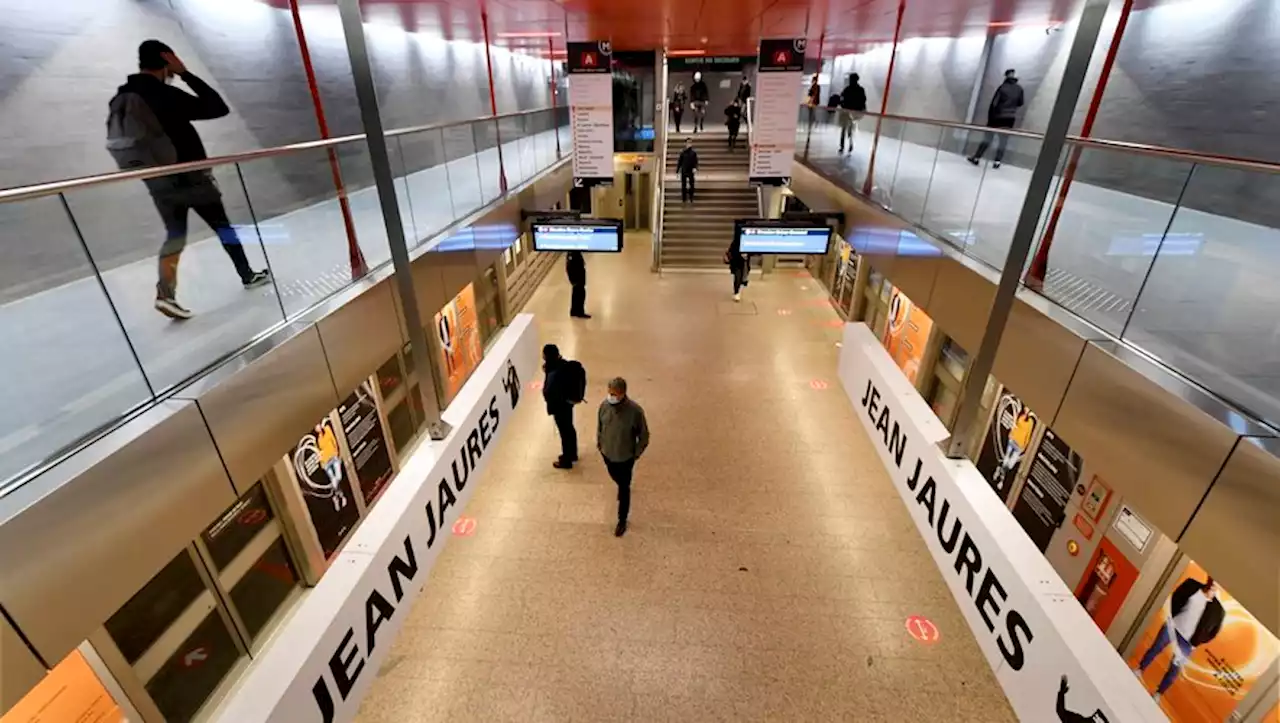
(264, 588)
(137, 625)
(237, 527)
(400, 419)
(389, 376)
(187, 679)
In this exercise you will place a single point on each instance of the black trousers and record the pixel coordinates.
(578, 300)
(677, 115)
(620, 472)
(740, 277)
(686, 187)
(568, 435)
(1002, 140)
(733, 136)
(173, 208)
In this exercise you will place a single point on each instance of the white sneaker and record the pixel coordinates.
(737, 297)
(1155, 697)
(172, 309)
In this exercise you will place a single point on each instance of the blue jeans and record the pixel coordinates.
(1175, 666)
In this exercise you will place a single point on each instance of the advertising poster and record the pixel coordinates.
(591, 112)
(1203, 651)
(1006, 441)
(906, 333)
(1042, 504)
(846, 276)
(1106, 583)
(458, 329)
(70, 692)
(366, 441)
(322, 476)
(773, 127)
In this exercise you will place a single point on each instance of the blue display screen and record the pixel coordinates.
(571, 237)
(781, 240)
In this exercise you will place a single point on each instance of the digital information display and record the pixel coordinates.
(784, 239)
(577, 237)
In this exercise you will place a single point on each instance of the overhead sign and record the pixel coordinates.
(772, 237)
(727, 63)
(599, 235)
(777, 100)
(1049, 657)
(323, 660)
(591, 112)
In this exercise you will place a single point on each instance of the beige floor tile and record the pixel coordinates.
(769, 567)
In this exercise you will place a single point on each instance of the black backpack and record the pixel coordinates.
(575, 380)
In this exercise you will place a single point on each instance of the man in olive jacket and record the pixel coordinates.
(622, 435)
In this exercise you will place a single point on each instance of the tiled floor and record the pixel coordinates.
(769, 568)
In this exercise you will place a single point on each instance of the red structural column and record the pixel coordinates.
(1040, 262)
(358, 266)
(493, 101)
(884, 100)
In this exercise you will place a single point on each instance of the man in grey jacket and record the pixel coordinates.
(1003, 113)
(622, 435)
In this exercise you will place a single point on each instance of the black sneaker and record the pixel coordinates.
(996, 164)
(259, 278)
(561, 464)
(172, 309)
(621, 529)
(974, 161)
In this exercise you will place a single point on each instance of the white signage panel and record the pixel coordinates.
(591, 112)
(779, 72)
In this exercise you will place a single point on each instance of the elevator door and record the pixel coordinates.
(638, 191)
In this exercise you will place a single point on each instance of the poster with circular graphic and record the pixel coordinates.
(366, 441)
(906, 334)
(322, 477)
(1009, 435)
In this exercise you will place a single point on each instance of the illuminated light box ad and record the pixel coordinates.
(598, 236)
(783, 239)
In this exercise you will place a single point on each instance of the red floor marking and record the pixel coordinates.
(923, 629)
(818, 384)
(784, 312)
(835, 323)
(464, 526)
(535, 386)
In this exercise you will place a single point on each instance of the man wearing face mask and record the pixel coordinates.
(622, 435)
(699, 97)
(158, 131)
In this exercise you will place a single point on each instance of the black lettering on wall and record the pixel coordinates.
(898, 444)
(473, 448)
(1014, 623)
(376, 612)
(486, 434)
(461, 482)
(866, 394)
(431, 520)
(914, 479)
(882, 426)
(493, 413)
(969, 559)
(447, 499)
(340, 664)
(948, 542)
(324, 700)
(925, 497)
(985, 599)
(873, 404)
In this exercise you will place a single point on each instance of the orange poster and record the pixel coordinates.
(459, 335)
(906, 333)
(70, 692)
(1203, 652)
(1273, 716)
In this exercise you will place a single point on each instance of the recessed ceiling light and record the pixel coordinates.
(693, 51)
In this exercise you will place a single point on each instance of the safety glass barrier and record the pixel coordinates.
(115, 290)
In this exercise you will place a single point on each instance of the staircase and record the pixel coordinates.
(696, 235)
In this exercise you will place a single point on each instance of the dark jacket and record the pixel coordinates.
(555, 388)
(733, 117)
(815, 95)
(575, 267)
(744, 91)
(737, 260)
(175, 109)
(1210, 622)
(698, 92)
(853, 97)
(678, 101)
(1006, 101)
(687, 161)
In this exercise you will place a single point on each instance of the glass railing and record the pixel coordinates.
(1174, 253)
(81, 273)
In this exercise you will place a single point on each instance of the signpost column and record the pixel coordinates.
(591, 112)
(773, 128)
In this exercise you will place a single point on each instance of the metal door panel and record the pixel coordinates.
(1156, 449)
(1236, 532)
(19, 669)
(79, 540)
(360, 336)
(257, 408)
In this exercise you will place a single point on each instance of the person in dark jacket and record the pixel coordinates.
(557, 392)
(622, 436)
(678, 101)
(853, 103)
(174, 196)
(575, 268)
(1195, 618)
(733, 121)
(739, 265)
(814, 98)
(699, 97)
(1003, 113)
(687, 167)
(744, 91)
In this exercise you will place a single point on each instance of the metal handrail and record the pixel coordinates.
(1145, 149)
(53, 188)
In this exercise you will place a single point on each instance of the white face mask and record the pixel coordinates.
(614, 399)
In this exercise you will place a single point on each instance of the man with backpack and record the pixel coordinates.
(149, 125)
(565, 386)
(853, 103)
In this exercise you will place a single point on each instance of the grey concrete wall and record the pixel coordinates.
(60, 63)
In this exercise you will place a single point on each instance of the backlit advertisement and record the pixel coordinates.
(1006, 442)
(906, 334)
(1203, 651)
(459, 335)
(322, 477)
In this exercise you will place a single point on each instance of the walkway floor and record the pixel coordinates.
(769, 567)
(1207, 301)
(69, 367)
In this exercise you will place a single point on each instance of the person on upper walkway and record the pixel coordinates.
(853, 103)
(1002, 113)
(744, 91)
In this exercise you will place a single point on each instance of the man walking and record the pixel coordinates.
(853, 103)
(158, 131)
(699, 97)
(575, 268)
(687, 167)
(564, 387)
(622, 435)
(1003, 113)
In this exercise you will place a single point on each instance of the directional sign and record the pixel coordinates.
(923, 629)
(195, 657)
(464, 526)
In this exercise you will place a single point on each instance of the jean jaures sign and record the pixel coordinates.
(1050, 659)
(321, 664)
